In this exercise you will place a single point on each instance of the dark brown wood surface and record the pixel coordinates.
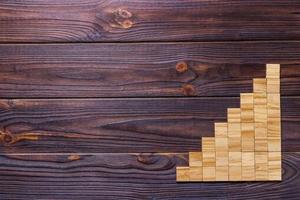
(128, 176)
(143, 70)
(123, 125)
(102, 99)
(148, 20)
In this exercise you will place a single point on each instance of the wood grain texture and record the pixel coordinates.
(123, 125)
(143, 70)
(148, 20)
(127, 176)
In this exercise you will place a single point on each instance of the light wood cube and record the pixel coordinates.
(195, 159)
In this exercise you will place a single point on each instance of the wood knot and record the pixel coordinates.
(124, 13)
(145, 159)
(127, 24)
(181, 67)
(189, 90)
(122, 17)
(74, 157)
(6, 138)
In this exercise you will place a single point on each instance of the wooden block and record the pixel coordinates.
(248, 159)
(195, 159)
(182, 174)
(273, 71)
(222, 158)
(235, 173)
(259, 85)
(273, 105)
(195, 174)
(260, 107)
(273, 85)
(222, 173)
(274, 166)
(248, 172)
(209, 158)
(234, 115)
(260, 130)
(234, 144)
(261, 145)
(274, 145)
(260, 113)
(247, 107)
(274, 129)
(221, 130)
(221, 144)
(234, 130)
(208, 144)
(235, 159)
(261, 166)
(247, 136)
(247, 115)
(209, 173)
(260, 98)
(246, 100)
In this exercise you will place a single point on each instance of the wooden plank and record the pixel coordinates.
(144, 70)
(152, 20)
(129, 176)
(123, 125)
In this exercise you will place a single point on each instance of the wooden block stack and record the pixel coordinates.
(248, 146)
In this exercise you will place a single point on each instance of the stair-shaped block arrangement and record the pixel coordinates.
(248, 146)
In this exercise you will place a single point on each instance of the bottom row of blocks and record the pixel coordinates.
(266, 168)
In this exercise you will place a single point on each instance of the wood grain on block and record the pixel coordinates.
(274, 144)
(208, 144)
(261, 130)
(222, 158)
(235, 158)
(259, 85)
(273, 85)
(195, 159)
(260, 107)
(248, 136)
(234, 115)
(195, 174)
(274, 116)
(234, 144)
(221, 144)
(261, 166)
(208, 158)
(234, 129)
(221, 130)
(209, 173)
(273, 71)
(247, 108)
(274, 166)
(273, 105)
(235, 166)
(261, 144)
(248, 166)
(222, 173)
(274, 129)
(182, 174)
(235, 173)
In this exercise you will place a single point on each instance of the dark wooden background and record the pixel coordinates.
(93, 104)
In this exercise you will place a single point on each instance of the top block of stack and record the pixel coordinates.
(273, 78)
